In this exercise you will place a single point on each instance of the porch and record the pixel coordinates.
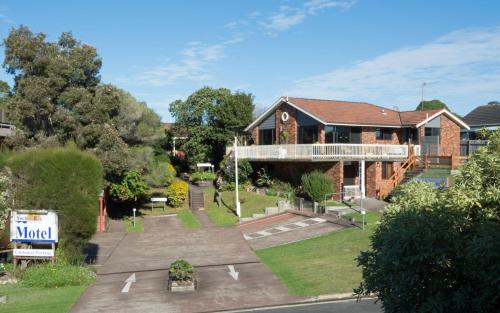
(324, 152)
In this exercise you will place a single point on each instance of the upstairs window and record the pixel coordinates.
(383, 133)
(308, 134)
(266, 136)
(431, 131)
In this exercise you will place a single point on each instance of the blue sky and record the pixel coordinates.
(364, 50)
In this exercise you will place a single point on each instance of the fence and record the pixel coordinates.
(468, 147)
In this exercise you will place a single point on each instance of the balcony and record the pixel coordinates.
(324, 152)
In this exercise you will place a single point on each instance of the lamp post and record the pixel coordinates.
(133, 221)
(237, 195)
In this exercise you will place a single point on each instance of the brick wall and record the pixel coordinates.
(373, 178)
(255, 135)
(321, 133)
(290, 126)
(450, 137)
(368, 136)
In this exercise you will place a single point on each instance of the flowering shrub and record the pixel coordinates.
(177, 193)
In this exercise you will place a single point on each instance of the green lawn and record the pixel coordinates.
(251, 203)
(129, 224)
(321, 265)
(188, 219)
(39, 300)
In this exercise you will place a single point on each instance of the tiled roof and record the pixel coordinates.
(484, 115)
(345, 112)
(415, 117)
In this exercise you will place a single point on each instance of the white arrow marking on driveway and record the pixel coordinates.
(232, 272)
(129, 282)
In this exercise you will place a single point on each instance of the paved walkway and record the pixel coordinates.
(285, 229)
(210, 250)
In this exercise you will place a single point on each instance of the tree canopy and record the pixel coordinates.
(431, 105)
(58, 97)
(437, 250)
(210, 118)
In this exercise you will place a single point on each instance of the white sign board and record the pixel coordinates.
(158, 199)
(33, 226)
(48, 253)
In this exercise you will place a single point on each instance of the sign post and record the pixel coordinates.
(37, 228)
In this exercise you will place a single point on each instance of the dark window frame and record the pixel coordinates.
(301, 130)
(387, 170)
(263, 136)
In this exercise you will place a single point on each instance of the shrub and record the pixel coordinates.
(263, 179)
(317, 185)
(51, 276)
(181, 270)
(203, 176)
(63, 179)
(160, 174)
(284, 189)
(245, 170)
(177, 193)
(131, 188)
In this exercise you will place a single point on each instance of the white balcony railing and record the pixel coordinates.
(323, 152)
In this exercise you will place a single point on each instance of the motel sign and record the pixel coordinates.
(34, 227)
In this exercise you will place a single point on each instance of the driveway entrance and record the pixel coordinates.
(211, 250)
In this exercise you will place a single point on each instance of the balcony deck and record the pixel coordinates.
(324, 152)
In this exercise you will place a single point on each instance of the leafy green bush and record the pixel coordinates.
(63, 179)
(131, 188)
(263, 179)
(181, 270)
(160, 174)
(283, 189)
(245, 170)
(203, 176)
(317, 185)
(177, 193)
(51, 276)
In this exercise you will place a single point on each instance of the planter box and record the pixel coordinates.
(181, 286)
(204, 183)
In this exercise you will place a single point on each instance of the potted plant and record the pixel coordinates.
(203, 179)
(181, 276)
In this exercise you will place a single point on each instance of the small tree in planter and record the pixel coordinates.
(181, 276)
(317, 185)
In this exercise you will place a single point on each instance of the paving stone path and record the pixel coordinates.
(284, 228)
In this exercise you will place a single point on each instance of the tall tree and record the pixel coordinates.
(211, 118)
(58, 98)
(431, 105)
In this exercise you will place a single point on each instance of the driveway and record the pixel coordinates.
(211, 250)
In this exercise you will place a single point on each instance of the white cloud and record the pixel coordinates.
(195, 63)
(463, 65)
(287, 16)
(4, 18)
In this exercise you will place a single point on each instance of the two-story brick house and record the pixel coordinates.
(357, 144)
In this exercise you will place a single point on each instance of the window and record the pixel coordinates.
(386, 170)
(266, 136)
(383, 133)
(329, 134)
(431, 131)
(308, 134)
(342, 134)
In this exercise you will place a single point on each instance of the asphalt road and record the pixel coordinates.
(338, 306)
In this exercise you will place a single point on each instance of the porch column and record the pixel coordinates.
(362, 177)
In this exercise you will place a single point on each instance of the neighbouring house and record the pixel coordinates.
(6, 128)
(485, 116)
(360, 145)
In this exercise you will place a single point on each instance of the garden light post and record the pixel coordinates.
(237, 196)
(134, 216)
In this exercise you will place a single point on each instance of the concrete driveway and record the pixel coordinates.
(210, 250)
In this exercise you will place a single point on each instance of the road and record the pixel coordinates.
(338, 306)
